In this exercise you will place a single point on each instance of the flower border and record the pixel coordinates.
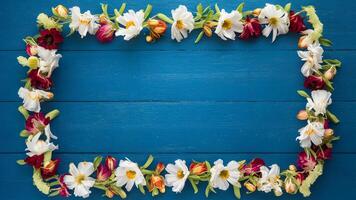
(111, 176)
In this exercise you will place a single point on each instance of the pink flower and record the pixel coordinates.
(103, 173)
(111, 163)
(50, 169)
(253, 166)
(252, 28)
(296, 23)
(324, 153)
(314, 82)
(105, 33)
(63, 190)
(36, 122)
(38, 81)
(35, 161)
(306, 162)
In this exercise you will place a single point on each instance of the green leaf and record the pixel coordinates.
(207, 190)
(24, 112)
(39, 183)
(303, 93)
(97, 161)
(165, 18)
(217, 9)
(240, 7)
(333, 62)
(142, 190)
(21, 162)
(200, 9)
(332, 117)
(53, 114)
(24, 133)
(148, 10)
(313, 175)
(325, 42)
(287, 7)
(122, 8)
(148, 162)
(237, 192)
(199, 37)
(47, 157)
(195, 188)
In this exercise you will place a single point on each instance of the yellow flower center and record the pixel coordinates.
(273, 21)
(224, 174)
(84, 21)
(129, 24)
(310, 132)
(227, 24)
(180, 24)
(273, 179)
(180, 174)
(130, 174)
(79, 179)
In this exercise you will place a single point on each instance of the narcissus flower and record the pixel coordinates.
(35, 161)
(111, 163)
(183, 22)
(105, 33)
(128, 173)
(198, 168)
(79, 179)
(177, 175)
(314, 82)
(50, 168)
(50, 38)
(36, 146)
(296, 23)
(63, 190)
(313, 58)
(49, 60)
(252, 28)
(311, 133)
(102, 173)
(132, 22)
(306, 162)
(39, 81)
(253, 166)
(222, 176)
(270, 180)
(276, 20)
(229, 24)
(32, 98)
(319, 101)
(83, 23)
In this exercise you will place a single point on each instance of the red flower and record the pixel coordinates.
(314, 82)
(36, 122)
(252, 28)
(31, 50)
(50, 38)
(306, 162)
(35, 161)
(38, 81)
(253, 166)
(159, 168)
(102, 173)
(105, 33)
(296, 23)
(111, 163)
(198, 168)
(50, 169)
(326, 124)
(324, 153)
(63, 191)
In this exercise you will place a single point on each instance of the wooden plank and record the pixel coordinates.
(18, 184)
(178, 76)
(337, 28)
(177, 127)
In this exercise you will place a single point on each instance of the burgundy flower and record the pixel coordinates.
(253, 166)
(326, 124)
(306, 162)
(50, 38)
(252, 28)
(102, 173)
(105, 33)
(111, 163)
(314, 82)
(324, 153)
(300, 178)
(63, 191)
(35, 161)
(36, 122)
(296, 23)
(50, 169)
(38, 81)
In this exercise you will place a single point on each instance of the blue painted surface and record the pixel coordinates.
(230, 100)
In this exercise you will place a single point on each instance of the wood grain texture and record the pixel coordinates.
(229, 100)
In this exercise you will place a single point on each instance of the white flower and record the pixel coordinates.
(222, 175)
(311, 133)
(32, 98)
(35, 146)
(79, 179)
(83, 23)
(183, 22)
(270, 180)
(319, 101)
(177, 175)
(133, 22)
(129, 173)
(309, 37)
(48, 60)
(276, 20)
(313, 58)
(49, 134)
(228, 24)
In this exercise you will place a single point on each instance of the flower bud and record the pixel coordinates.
(149, 38)
(302, 115)
(105, 33)
(330, 73)
(249, 186)
(60, 11)
(33, 62)
(111, 163)
(290, 187)
(103, 19)
(256, 12)
(102, 173)
(292, 168)
(156, 181)
(50, 168)
(157, 29)
(207, 31)
(159, 168)
(109, 194)
(198, 168)
(31, 50)
(328, 133)
(153, 22)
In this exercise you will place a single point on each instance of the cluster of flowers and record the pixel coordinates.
(316, 137)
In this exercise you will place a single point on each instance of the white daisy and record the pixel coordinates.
(49, 60)
(270, 180)
(319, 101)
(177, 175)
(183, 21)
(32, 98)
(313, 57)
(83, 23)
(36, 146)
(133, 23)
(311, 133)
(276, 20)
(79, 179)
(228, 24)
(129, 173)
(222, 175)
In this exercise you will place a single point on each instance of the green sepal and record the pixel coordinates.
(325, 42)
(240, 7)
(237, 192)
(165, 18)
(53, 114)
(21, 162)
(24, 133)
(199, 37)
(142, 190)
(148, 11)
(122, 8)
(287, 7)
(148, 162)
(97, 161)
(194, 185)
(303, 93)
(24, 112)
(217, 9)
(332, 117)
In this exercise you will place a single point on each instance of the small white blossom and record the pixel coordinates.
(228, 24)
(311, 133)
(36, 146)
(49, 60)
(83, 23)
(183, 22)
(32, 98)
(313, 57)
(222, 175)
(270, 180)
(319, 101)
(128, 173)
(177, 175)
(79, 179)
(133, 23)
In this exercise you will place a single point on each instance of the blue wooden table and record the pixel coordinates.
(229, 100)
